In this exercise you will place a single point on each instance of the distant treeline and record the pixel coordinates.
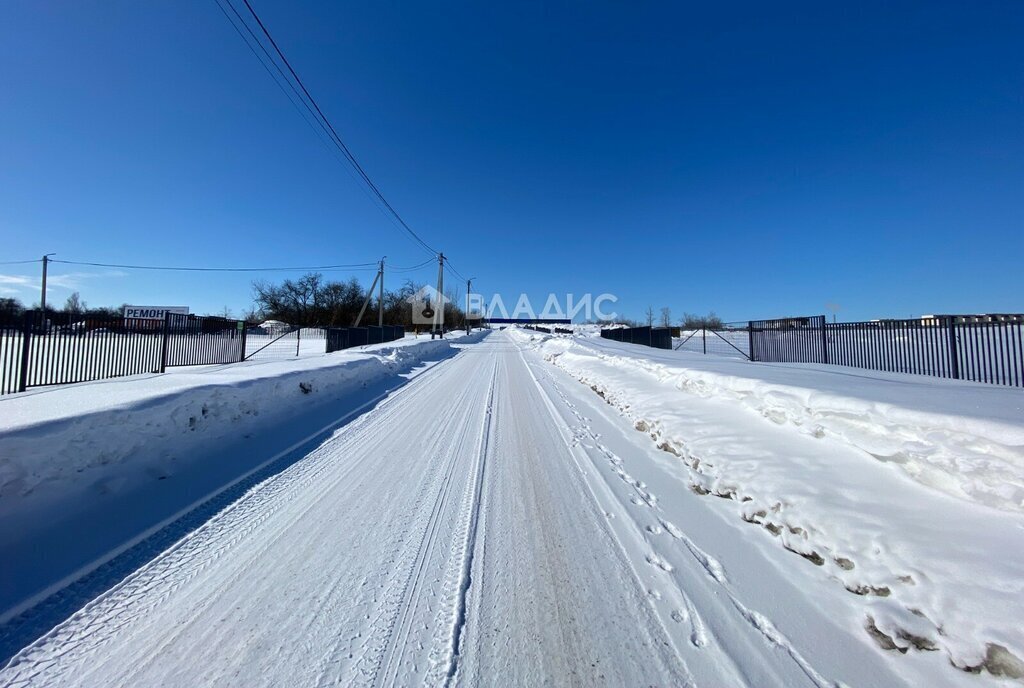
(312, 301)
(12, 308)
(689, 321)
(309, 301)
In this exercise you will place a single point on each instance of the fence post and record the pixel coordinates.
(241, 356)
(26, 343)
(954, 356)
(824, 339)
(163, 344)
(750, 337)
(298, 340)
(704, 339)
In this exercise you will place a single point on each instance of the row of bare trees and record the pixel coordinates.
(689, 321)
(308, 301)
(312, 301)
(73, 306)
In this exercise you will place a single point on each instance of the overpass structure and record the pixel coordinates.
(527, 321)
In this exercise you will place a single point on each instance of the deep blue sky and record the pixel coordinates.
(756, 159)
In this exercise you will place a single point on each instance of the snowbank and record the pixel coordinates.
(107, 433)
(966, 439)
(904, 491)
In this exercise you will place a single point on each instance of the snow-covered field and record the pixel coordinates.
(469, 513)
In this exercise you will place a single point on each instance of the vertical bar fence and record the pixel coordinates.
(40, 349)
(979, 348)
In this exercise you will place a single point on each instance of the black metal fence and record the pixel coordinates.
(548, 330)
(192, 340)
(38, 349)
(981, 348)
(339, 338)
(655, 337)
(784, 339)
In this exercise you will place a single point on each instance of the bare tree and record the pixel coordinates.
(696, 322)
(341, 302)
(10, 308)
(312, 302)
(666, 316)
(650, 316)
(74, 304)
(297, 302)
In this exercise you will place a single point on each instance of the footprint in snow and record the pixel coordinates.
(655, 560)
(672, 529)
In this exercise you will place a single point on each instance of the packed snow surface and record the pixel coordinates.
(907, 492)
(493, 521)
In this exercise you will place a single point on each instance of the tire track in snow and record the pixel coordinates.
(407, 563)
(398, 642)
(698, 631)
(469, 547)
(571, 444)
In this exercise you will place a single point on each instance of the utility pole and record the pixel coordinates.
(42, 299)
(438, 327)
(369, 295)
(380, 296)
(469, 285)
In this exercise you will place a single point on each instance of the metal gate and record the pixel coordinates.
(794, 340)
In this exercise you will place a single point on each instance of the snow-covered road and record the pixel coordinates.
(491, 523)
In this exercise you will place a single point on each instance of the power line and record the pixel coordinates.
(296, 100)
(317, 115)
(325, 123)
(425, 263)
(349, 266)
(451, 269)
(263, 62)
(20, 262)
